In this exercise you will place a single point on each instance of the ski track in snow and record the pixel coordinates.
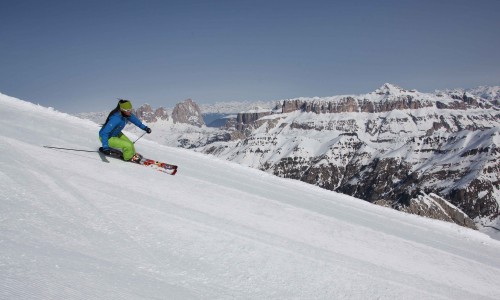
(76, 226)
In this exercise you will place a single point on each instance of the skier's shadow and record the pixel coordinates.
(103, 157)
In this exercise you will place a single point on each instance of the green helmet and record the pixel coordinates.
(125, 104)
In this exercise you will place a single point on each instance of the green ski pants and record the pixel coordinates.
(123, 143)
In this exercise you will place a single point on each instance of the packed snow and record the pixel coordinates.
(75, 225)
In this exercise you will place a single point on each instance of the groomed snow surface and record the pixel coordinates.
(74, 225)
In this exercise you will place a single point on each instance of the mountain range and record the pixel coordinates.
(432, 154)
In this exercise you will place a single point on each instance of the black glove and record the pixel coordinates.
(148, 130)
(105, 151)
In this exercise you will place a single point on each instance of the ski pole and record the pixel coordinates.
(139, 137)
(81, 150)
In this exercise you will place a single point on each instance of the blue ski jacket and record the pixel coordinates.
(115, 125)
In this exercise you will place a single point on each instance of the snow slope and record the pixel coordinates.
(74, 225)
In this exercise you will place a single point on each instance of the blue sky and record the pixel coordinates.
(79, 56)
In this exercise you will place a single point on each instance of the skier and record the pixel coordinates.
(111, 132)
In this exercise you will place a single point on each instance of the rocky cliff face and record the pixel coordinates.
(188, 112)
(243, 120)
(385, 99)
(432, 206)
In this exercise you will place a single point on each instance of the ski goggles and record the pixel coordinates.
(127, 110)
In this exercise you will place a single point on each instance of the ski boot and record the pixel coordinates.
(136, 158)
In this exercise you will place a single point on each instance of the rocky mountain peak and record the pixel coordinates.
(145, 112)
(389, 88)
(393, 91)
(188, 112)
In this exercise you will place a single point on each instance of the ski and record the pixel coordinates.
(157, 165)
(172, 169)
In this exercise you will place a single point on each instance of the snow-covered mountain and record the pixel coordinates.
(74, 225)
(490, 93)
(389, 146)
(392, 147)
